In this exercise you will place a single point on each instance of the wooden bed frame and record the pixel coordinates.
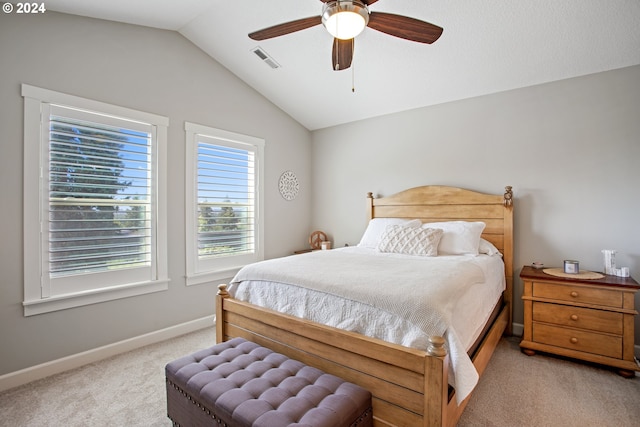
(409, 386)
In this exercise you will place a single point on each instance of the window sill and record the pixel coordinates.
(63, 302)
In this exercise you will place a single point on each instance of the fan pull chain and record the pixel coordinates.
(353, 78)
(353, 71)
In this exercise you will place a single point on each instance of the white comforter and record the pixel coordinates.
(411, 298)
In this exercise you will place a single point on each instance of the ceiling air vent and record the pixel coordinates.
(265, 57)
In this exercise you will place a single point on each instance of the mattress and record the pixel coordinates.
(364, 282)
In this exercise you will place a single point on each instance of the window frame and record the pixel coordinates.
(36, 153)
(212, 269)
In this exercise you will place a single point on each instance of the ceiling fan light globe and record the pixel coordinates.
(345, 19)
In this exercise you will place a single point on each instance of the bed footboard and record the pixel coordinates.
(409, 386)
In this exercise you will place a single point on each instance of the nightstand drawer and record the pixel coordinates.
(578, 317)
(590, 342)
(605, 297)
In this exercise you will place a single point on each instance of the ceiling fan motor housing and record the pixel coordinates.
(345, 19)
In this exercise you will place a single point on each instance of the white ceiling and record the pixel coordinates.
(487, 46)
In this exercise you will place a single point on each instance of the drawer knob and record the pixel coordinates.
(574, 317)
(573, 340)
(574, 294)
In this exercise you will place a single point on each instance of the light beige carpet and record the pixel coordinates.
(124, 390)
(542, 390)
(516, 390)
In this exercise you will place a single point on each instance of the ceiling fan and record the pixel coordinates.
(345, 19)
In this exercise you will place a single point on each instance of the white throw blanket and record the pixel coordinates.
(420, 290)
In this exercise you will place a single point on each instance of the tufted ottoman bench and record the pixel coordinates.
(239, 383)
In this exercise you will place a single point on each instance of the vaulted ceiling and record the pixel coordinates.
(487, 46)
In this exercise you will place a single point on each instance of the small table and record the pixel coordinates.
(586, 319)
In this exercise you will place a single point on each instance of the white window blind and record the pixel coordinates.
(223, 201)
(100, 201)
(226, 206)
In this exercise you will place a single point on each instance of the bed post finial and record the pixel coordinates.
(508, 196)
(436, 346)
(222, 291)
(369, 195)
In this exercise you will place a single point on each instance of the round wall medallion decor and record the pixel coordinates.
(289, 185)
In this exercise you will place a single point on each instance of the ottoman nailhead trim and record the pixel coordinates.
(362, 417)
(190, 399)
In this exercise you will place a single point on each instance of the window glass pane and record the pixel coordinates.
(226, 194)
(99, 196)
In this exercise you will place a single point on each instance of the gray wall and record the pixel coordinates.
(151, 70)
(570, 149)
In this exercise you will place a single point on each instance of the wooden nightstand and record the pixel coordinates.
(585, 319)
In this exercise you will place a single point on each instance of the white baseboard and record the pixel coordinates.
(517, 328)
(24, 376)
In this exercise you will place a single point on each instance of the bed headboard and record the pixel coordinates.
(433, 203)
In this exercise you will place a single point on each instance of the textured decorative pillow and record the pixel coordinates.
(377, 226)
(410, 241)
(460, 237)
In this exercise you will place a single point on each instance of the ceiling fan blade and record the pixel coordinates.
(342, 54)
(404, 27)
(286, 28)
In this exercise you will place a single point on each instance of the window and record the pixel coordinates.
(93, 201)
(223, 199)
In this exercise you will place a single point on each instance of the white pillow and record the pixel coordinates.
(376, 227)
(459, 238)
(410, 241)
(487, 248)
